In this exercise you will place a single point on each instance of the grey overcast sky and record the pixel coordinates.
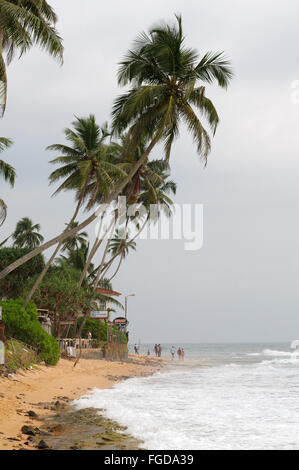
(243, 284)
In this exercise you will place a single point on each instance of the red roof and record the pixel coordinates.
(107, 291)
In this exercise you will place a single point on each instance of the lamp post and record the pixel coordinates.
(126, 303)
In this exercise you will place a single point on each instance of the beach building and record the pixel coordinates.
(104, 305)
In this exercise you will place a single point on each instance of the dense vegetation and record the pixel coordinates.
(92, 325)
(13, 285)
(24, 325)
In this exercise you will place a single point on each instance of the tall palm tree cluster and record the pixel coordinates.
(165, 89)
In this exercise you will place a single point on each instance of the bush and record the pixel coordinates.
(14, 283)
(23, 325)
(92, 325)
(60, 294)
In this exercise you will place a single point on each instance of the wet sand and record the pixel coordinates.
(47, 390)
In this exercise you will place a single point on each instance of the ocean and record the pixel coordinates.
(224, 396)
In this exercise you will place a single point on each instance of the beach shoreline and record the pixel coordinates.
(43, 390)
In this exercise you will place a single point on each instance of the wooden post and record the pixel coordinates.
(99, 333)
(2, 332)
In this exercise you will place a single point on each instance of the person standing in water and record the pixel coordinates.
(172, 352)
(179, 353)
(182, 353)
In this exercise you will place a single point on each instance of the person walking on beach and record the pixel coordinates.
(179, 353)
(172, 352)
(136, 349)
(156, 350)
(159, 350)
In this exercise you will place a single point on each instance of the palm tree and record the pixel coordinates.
(154, 189)
(76, 257)
(120, 246)
(27, 234)
(150, 173)
(87, 168)
(23, 24)
(74, 242)
(166, 78)
(8, 173)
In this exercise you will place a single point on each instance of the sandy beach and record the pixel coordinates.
(30, 390)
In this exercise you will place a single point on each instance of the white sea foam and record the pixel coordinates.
(251, 406)
(271, 352)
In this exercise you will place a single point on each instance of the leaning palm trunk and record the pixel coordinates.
(79, 334)
(102, 272)
(111, 228)
(50, 261)
(117, 269)
(93, 251)
(60, 238)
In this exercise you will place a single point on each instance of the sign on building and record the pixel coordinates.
(99, 314)
(121, 321)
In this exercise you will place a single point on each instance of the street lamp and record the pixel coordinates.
(126, 303)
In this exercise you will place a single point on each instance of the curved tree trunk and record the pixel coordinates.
(48, 264)
(117, 254)
(111, 226)
(93, 251)
(60, 238)
(117, 269)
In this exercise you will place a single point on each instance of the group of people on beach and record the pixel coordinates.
(158, 351)
(180, 353)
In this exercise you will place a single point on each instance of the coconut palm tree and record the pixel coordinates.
(131, 191)
(167, 81)
(75, 257)
(8, 173)
(87, 168)
(88, 165)
(154, 189)
(150, 173)
(27, 234)
(121, 246)
(23, 24)
(76, 240)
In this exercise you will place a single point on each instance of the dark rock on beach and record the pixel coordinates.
(42, 445)
(29, 430)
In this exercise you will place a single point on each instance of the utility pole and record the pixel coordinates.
(126, 304)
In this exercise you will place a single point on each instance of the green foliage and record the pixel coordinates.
(27, 234)
(8, 173)
(14, 283)
(92, 325)
(23, 324)
(166, 88)
(60, 294)
(24, 24)
(87, 165)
